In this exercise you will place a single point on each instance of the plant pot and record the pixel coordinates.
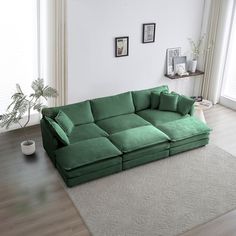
(193, 66)
(28, 147)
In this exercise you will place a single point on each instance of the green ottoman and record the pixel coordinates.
(186, 134)
(141, 145)
(87, 160)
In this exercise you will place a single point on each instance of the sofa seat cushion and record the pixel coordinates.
(189, 146)
(87, 131)
(111, 106)
(85, 152)
(156, 117)
(142, 153)
(184, 128)
(152, 156)
(189, 140)
(137, 138)
(75, 180)
(120, 123)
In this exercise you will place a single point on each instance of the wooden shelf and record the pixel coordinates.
(198, 72)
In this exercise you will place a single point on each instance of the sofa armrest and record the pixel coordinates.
(192, 110)
(50, 142)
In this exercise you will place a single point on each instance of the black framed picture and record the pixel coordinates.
(149, 32)
(122, 46)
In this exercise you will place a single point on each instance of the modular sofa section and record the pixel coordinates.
(186, 134)
(141, 145)
(138, 138)
(88, 159)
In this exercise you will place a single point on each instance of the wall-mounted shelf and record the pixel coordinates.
(196, 73)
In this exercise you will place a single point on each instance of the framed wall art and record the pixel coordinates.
(170, 54)
(149, 32)
(180, 63)
(121, 46)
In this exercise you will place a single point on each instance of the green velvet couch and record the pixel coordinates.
(110, 134)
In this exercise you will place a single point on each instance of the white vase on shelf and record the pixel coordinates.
(193, 65)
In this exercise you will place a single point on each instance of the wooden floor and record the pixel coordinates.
(223, 123)
(33, 201)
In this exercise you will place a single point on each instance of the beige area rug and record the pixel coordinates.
(165, 197)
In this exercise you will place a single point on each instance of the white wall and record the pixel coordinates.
(93, 70)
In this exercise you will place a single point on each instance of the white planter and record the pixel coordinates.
(193, 66)
(28, 147)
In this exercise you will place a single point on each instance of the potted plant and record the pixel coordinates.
(23, 104)
(196, 50)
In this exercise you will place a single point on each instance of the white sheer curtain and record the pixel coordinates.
(19, 57)
(228, 92)
(18, 47)
(217, 32)
(54, 47)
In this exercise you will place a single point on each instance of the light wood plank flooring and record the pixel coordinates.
(33, 201)
(223, 122)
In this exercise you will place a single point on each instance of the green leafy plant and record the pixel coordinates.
(196, 47)
(23, 104)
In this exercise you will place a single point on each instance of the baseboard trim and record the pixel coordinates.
(227, 102)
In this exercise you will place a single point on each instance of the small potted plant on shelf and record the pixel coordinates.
(196, 50)
(23, 104)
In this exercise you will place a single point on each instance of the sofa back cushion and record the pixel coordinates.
(168, 102)
(142, 98)
(106, 107)
(79, 113)
(185, 104)
(155, 99)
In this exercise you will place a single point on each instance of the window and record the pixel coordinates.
(18, 47)
(229, 80)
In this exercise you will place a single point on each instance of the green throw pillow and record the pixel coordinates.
(59, 132)
(65, 122)
(155, 99)
(184, 104)
(168, 102)
(142, 98)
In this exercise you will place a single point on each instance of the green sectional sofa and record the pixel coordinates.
(99, 137)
